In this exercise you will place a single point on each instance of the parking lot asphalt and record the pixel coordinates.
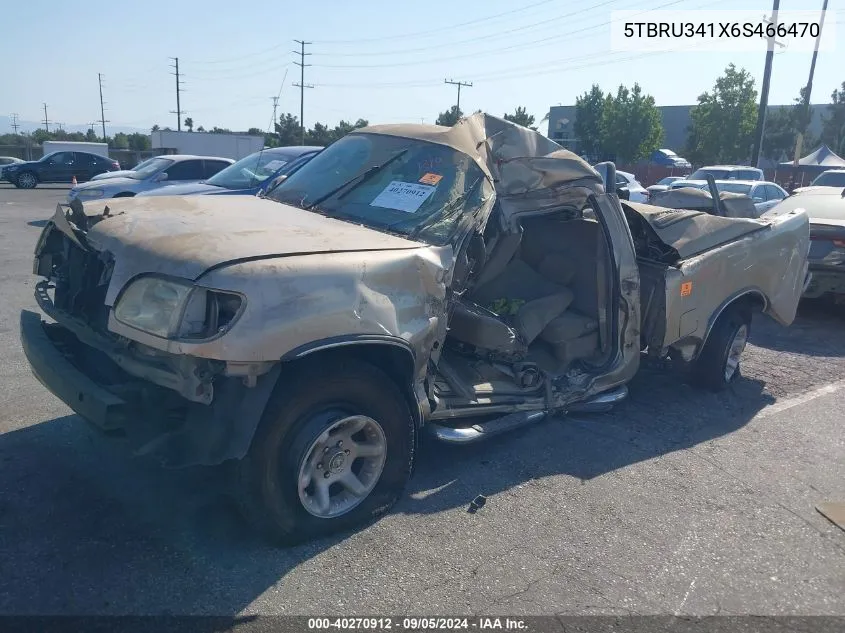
(677, 502)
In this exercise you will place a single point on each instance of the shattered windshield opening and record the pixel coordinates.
(392, 184)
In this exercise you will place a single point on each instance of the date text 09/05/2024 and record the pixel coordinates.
(720, 29)
(417, 624)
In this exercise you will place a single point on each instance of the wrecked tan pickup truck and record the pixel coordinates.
(409, 278)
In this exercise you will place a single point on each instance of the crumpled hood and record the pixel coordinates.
(185, 236)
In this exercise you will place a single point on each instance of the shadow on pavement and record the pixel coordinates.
(87, 529)
(816, 331)
(38, 223)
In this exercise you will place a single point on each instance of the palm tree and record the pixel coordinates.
(189, 123)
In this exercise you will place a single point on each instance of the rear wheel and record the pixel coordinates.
(27, 180)
(333, 451)
(718, 365)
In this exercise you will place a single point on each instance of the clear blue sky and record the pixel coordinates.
(374, 59)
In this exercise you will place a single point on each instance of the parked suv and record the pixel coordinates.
(461, 281)
(58, 167)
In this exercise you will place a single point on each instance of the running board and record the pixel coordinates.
(484, 430)
(601, 403)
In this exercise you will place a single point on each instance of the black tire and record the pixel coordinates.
(26, 180)
(710, 369)
(306, 403)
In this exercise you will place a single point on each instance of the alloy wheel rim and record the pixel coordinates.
(342, 466)
(735, 351)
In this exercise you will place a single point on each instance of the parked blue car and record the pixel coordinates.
(246, 177)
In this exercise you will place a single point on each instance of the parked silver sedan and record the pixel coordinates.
(763, 193)
(157, 172)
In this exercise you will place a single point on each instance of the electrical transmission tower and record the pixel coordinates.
(302, 85)
(179, 82)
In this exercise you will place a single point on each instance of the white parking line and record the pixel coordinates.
(789, 403)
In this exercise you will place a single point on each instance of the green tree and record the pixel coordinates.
(589, 112)
(139, 142)
(189, 123)
(343, 128)
(120, 141)
(155, 128)
(254, 131)
(450, 117)
(723, 123)
(200, 129)
(782, 127)
(521, 117)
(318, 135)
(631, 126)
(91, 135)
(833, 125)
(288, 130)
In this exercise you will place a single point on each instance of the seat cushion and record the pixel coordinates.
(475, 325)
(568, 326)
(557, 267)
(517, 282)
(536, 315)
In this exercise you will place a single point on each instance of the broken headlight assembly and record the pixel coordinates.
(176, 309)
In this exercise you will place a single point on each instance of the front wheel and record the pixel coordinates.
(334, 450)
(27, 180)
(718, 364)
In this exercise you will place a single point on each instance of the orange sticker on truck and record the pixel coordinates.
(686, 289)
(431, 179)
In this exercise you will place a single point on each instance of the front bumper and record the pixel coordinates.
(156, 421)
(53, 370)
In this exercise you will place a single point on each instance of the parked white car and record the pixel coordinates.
(630, 182)
(123, 173)
(5, 161)
(763, 193)
(663, 184)
(159, 171)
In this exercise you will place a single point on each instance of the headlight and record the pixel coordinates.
(90, 193)
(176, 309)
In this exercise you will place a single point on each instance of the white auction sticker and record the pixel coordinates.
(273, 165)
(403, 196)
(722, 30)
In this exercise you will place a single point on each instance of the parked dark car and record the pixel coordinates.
(58, 167)
(668, 158)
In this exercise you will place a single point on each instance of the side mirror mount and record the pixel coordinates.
(624, 193)
(161, 177)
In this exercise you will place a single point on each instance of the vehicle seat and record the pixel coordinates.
(525, 304)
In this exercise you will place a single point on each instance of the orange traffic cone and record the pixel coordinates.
(73, 181)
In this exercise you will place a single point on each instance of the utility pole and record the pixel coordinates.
(102, 106)
(15, 125)
(275, 105)
(302, 85)
(805, 104)
(764, 90)
(46, 120)
(179, 82)
(458, 84)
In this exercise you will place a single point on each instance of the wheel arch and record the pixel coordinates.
(393, 355)
(749, 300)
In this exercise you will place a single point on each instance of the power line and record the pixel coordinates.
(438, 30)
(46, 120)
(302, 85)
(103, 119)
(179, 82)
(458, 84)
